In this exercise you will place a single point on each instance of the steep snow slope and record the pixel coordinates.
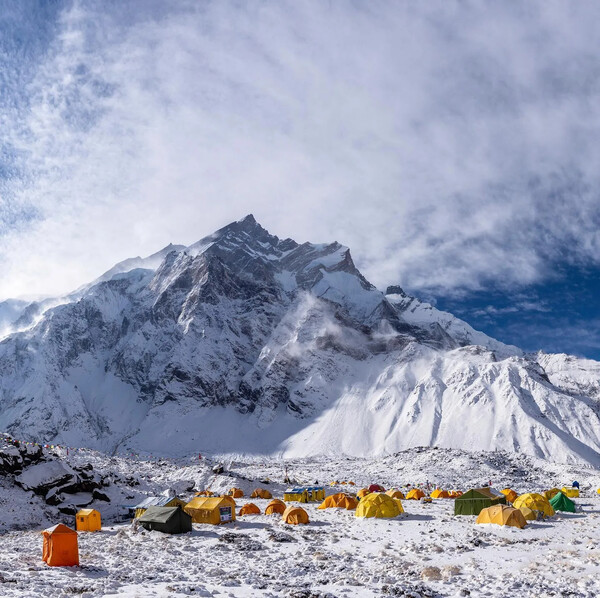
(247, 343)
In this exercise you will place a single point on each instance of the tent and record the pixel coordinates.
(204, 493)
(236, 493)
(570, 492)
(528, 513)
(364, 491)
(305, 494)
(261, 493)
(378, 505)
(575, 484)
(213, 510)
(334, 483)
(548, 494)
(502, 515)
(511, 495)
(158, 501)
(340, 501)
(376, 488)
(249, 509)
(560, 502)
(415, 494)
(395, 493)
(399, 503)
(276, 506)
(476, 499)
(455, 493)
(60, 546)
(168, 520)
(295, 515)
(536, 502)
(437, 493)
(88, 520)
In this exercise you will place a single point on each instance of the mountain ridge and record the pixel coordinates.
(243, 342)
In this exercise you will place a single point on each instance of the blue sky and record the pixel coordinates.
(453, 146)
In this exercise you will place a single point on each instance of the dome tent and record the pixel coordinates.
(340, 501)
(378, 505)
(536, 502)
(560, 502)
(502, 515)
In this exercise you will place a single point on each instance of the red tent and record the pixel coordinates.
(376, 488)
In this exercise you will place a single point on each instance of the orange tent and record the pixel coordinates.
(395, 493)
(60, 546)
(415, 494)
(205, 493)
(249, 509)
(437, 493)
(275, 506)
(261, 493)
(295, 515)
(340, 501)
(236, 493)
(511, 495)
(362, 493)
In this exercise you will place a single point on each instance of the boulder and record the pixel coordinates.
(40, 478)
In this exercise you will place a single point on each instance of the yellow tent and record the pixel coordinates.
(213, 510)
(395, 493)
(295, 515)
(205, 493)
(276, 506)
(548, 494)
(570, 492)
(502, 515)
(340, 501)
(236, 493)
(362, 493)
(511, 495)
(437, 493)
(528, 513)
(378, 505)
(88, 520)
(334, 483)
(415, 494)
(261, 493)
(536, 502)
(399, 503)
(249, 509)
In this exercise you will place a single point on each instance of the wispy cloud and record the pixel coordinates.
(449, 145)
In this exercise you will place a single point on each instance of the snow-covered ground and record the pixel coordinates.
(426, 552)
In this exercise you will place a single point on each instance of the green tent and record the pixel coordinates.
(473, 501)
(169, 520)
(560, 502)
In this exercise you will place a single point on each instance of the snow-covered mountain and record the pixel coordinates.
(245, 343)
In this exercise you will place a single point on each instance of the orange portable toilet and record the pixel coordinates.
(276, 506)
(60, 546)
(88, 520)
(249, 509)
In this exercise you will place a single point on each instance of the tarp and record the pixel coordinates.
(560, 502)
(169, 520)
(158, 501)
(378, 505)
(88, 520)
(476, 499)
(60, 546)
(502, 515)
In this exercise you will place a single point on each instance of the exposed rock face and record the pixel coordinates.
(244, 342)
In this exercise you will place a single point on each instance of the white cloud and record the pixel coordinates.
(448, 145)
